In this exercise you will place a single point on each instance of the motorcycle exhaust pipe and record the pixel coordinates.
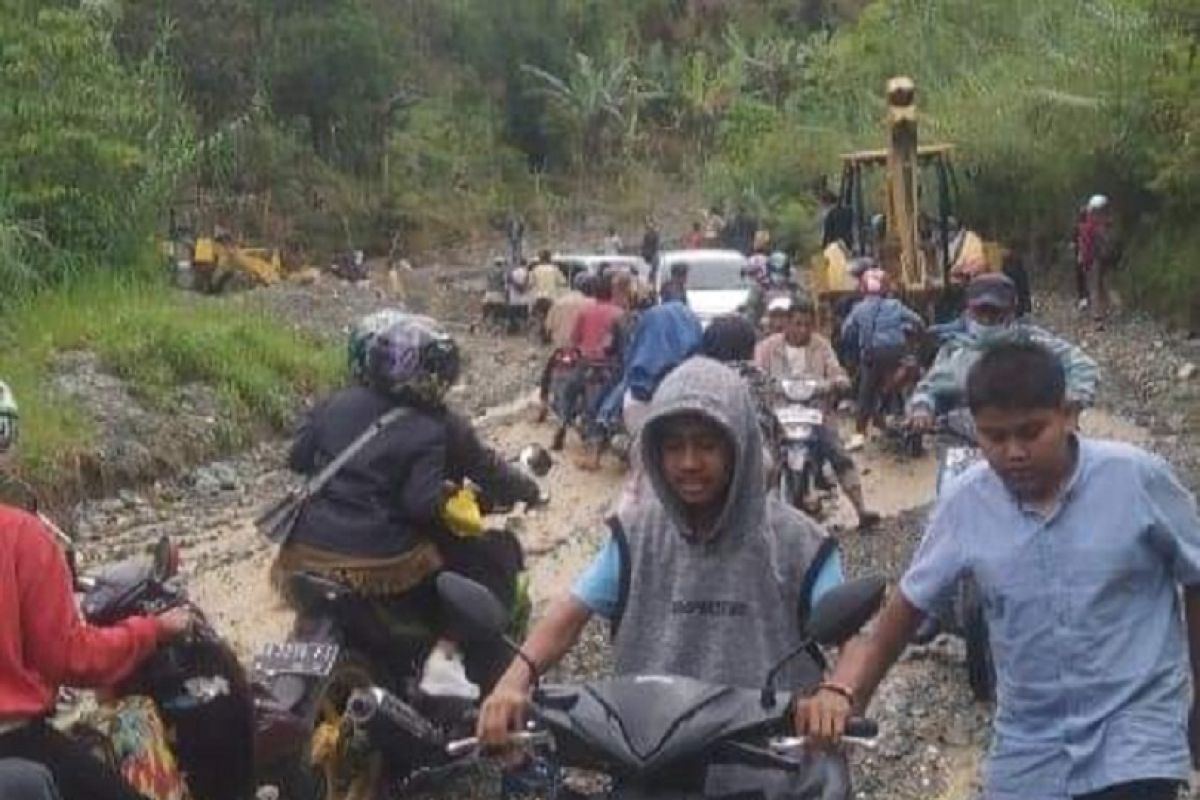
(391, 725)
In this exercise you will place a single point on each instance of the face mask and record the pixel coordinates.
(983, 332)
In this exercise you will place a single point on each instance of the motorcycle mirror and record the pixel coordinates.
(839, 614)
(166, 560)
(844, 610)
(474, 611)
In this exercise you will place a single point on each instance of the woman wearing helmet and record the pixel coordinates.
(379, 523)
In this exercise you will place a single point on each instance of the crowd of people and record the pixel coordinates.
(1086, 552)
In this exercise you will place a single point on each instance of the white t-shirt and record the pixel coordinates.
(797, 361)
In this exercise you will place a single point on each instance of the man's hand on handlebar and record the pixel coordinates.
(503, 712)
(920, 420)
(822, 717)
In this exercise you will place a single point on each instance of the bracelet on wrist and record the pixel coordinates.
(838, 688)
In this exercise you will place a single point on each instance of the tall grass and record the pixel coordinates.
(156, 340)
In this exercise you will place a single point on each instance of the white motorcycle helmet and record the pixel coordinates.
(1097, 202)
(8, 418)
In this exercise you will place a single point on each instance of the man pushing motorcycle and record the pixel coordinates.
(44, 644)
(799, 353)
(1087, 556)
(991, 318)
(706, 576)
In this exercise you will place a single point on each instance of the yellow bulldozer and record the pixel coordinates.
(221, 266)
(899, 206)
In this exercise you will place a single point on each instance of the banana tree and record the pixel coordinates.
(599, 103)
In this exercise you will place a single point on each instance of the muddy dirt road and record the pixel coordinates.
(933, 735)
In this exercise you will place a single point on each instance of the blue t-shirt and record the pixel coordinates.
(599, 586)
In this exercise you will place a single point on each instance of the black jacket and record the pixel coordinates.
(391, 493)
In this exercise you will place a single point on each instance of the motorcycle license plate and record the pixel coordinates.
(296, 658)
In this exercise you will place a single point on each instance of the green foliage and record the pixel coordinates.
(331, 67)
(1046, 102)
(89, 149)
(450, 173)
(356, 122)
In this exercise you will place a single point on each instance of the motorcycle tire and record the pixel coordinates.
(300, 779)
(981, 670)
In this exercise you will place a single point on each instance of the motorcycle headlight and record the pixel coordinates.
(797, 432)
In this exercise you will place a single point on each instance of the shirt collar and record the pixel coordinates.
(1081, 452)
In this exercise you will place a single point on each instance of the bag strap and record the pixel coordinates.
(319, 480)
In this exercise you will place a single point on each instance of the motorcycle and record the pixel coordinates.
(800, 460)
(313, 718)
(576, 388)
(656, 736)
(196, 684)
(958, 451)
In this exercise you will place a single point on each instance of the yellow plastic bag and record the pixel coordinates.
(462, 515)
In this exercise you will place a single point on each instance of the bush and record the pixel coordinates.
(89, 149)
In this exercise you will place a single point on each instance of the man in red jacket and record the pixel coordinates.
(44, 644)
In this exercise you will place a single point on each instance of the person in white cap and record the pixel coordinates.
(777, 315)
(1099, 252)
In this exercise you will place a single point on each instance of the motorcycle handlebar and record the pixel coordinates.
(860, 732)
(469, 745)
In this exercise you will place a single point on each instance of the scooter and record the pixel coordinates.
(576, 388)
(195, 683)
(197, 686)
(800, 459)
(310, 711)
(656, 736)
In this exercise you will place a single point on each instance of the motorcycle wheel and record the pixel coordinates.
(981, 670)
(796, 490)
(326, 770)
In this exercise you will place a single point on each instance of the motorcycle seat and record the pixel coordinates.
(309, 590)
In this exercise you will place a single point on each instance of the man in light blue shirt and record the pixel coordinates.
(1079, 548)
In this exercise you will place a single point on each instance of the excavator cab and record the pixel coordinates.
(899, 205)
(864, 192)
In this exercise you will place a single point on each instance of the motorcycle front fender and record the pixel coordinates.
(797, 459)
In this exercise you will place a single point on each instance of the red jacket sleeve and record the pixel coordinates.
(58, 644)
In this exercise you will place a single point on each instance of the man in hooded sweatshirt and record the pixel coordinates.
(706, 577)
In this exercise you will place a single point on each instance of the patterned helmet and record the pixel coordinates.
(361, 334)
(414, 360)
(8, 417)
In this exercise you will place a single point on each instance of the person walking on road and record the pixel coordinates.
(1087, 556)
(651, 245)
(1100, 253)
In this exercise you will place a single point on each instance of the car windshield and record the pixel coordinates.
(715, 274)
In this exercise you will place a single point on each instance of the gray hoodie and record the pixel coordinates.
(726, 608)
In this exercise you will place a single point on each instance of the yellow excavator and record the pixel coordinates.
(887, 211)
(220, 266)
